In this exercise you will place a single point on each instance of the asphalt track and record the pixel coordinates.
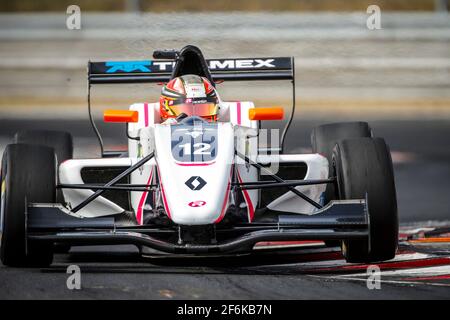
(421, 270)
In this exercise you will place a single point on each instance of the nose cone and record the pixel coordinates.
(195, 175)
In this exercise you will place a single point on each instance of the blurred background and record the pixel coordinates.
(396, 77)
(342, 66)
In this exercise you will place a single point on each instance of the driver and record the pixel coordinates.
(188, 95)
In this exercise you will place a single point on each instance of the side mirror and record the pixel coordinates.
(120, 116)
(274, 113)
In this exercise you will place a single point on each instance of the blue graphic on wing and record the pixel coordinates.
(128, 66)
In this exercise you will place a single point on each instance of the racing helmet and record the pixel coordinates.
(189, 94)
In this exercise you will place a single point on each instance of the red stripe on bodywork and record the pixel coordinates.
(251, 210)
(166, 204)
(195, 164)
(225, 201)
(139, 215)
(238, 105)
(146, 114)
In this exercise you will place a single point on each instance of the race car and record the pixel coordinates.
(197, 178)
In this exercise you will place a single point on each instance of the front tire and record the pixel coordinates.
(363, 166)
(325, 137)
(60, 141)
(27, 175)
(62, 144)
(323, 140)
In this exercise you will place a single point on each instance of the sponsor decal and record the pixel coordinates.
(199, 101)
(167, 66)
(241, 64)
(195, 183)
(196, 204)
(163, 65)
(128, 66)
(194, 143)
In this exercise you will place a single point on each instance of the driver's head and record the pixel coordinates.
(189, 94)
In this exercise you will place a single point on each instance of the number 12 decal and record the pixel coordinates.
(196, 148)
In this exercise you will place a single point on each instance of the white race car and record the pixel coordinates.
(197, 186)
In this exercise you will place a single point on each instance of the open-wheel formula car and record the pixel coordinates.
(197, 182)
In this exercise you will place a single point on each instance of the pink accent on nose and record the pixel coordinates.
(139, 215)
(248, 200)
(166, 205)
(194, 164)
(146, 113)
(238, 112)
(225, 200)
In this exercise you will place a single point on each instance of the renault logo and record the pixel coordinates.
(195, 183)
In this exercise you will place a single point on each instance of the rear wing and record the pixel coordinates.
(151, 71)
(186, 61)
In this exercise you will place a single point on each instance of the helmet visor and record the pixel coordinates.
(199, 109)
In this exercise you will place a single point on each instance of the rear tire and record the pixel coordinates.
(27, 175)
(364, 166)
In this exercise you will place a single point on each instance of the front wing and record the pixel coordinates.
(339, 220)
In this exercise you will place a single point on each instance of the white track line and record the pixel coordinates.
(387, 281)
(413, 272)
(342, 262)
